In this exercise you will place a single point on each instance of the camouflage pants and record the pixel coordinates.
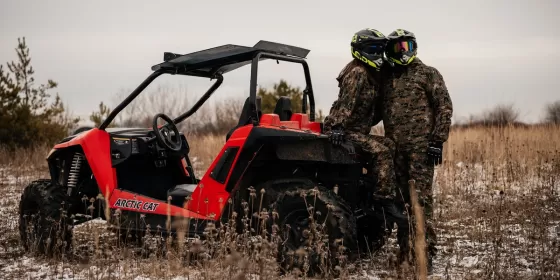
(411, 164)
(383, 150)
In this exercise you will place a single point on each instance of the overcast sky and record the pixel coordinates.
(489, 51)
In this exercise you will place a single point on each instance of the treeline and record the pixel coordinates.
(214, 117)
(32, 114)
(507, 115)
(217, 116)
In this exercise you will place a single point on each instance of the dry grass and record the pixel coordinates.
(496, 211)
(204, 149)
(420, 242)
(498, 145)
(499, 189)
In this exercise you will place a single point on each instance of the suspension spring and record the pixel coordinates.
(74, 173)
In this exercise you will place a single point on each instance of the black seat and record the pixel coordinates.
(182, 190)
(283, 108)
(244, 118)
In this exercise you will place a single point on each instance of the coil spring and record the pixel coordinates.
(74, 173)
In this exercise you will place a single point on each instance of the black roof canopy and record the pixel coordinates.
(213, 63)
(222, 59)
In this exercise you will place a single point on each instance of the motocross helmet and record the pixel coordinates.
(368, 46)
(401, 47)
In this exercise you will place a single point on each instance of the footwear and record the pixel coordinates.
(430, 266)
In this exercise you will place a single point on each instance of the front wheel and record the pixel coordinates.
(44, 226)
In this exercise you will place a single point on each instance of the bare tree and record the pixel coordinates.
(501, 115)
(214, 116)
(552, 113)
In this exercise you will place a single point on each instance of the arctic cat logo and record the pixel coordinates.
(136, 204)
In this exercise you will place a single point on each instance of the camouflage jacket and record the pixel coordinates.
(416, 108)
(353, 110)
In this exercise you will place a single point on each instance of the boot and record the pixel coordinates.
(431, 255)
(430, 266)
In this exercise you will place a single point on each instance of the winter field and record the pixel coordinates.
(497, 210)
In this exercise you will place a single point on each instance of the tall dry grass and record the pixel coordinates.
(499, 188)
(528, 145)
(496, 214)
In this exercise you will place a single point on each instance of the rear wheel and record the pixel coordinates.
(44, 226)
(316, 229)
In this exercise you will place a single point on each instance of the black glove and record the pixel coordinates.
(435, 152)
(336, 137)
(349, 148)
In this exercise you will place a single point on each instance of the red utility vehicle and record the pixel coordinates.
(136, 170)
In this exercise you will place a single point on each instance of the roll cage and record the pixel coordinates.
(213, 63)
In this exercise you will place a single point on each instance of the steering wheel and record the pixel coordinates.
(163, 133)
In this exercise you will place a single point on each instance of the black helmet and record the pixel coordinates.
(368, 46)
(401, 47)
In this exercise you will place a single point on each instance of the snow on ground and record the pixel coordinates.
(488, 226)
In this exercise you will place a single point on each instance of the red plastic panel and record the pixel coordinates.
(95, 144)
(138, 203)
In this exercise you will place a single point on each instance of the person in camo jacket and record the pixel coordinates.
(353, 111)
(417, 113)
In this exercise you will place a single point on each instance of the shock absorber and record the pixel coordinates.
(74, 173)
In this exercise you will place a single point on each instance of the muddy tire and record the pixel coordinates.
(316, 229)
(43, 225)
